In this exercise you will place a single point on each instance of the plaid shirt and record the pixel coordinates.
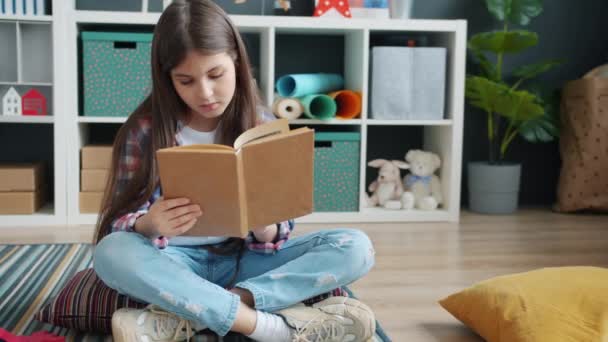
(130, 160)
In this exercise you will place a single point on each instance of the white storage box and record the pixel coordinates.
(408, 83)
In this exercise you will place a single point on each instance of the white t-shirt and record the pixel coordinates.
(191, 136)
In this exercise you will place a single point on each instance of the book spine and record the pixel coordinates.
(243, 210)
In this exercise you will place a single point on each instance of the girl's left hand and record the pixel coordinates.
(265, 234)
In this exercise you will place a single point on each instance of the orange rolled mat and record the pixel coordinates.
(349, 103)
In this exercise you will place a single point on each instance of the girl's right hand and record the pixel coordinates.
(168, 218)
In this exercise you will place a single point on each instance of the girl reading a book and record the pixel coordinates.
(203, 92)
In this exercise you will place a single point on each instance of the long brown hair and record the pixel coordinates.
(184, 26)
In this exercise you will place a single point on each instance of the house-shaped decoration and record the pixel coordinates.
(34, 103)
(11, 102)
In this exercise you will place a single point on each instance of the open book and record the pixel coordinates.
(264, 178)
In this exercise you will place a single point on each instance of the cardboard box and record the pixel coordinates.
(23, 177)
(90, 202)
(93, 179)
(21, 203)
(96, 157)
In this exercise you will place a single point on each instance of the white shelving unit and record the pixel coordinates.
(27, 119)
(27, 57)
(28, 18)
(444, 137)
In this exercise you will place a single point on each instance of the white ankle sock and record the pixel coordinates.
(271, 328)
(198, 326)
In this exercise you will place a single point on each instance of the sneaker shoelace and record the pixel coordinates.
(325, 330)
(169, 325)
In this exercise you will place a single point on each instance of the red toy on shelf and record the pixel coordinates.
(33, 103)
(324, 6)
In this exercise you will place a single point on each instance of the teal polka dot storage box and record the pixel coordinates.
(116, 72)
(336, 171)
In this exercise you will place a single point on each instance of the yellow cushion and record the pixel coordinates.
(549, 304)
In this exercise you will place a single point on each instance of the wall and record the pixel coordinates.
(569, 30)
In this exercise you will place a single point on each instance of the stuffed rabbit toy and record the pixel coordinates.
(387, 188)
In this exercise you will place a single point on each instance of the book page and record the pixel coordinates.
(266, 129)
(278, 173)
(199, 147)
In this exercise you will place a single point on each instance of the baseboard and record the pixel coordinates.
(47, 234)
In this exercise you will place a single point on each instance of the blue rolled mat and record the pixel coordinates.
(319, 106)
(296, 85)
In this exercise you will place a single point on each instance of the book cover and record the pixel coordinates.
(264, 178)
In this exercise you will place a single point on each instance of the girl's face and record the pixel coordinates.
(206, 83)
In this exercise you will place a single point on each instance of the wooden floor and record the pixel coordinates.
(418, 264)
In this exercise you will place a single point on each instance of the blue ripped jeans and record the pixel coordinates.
(190, 281)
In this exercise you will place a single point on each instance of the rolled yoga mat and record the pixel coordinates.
(319, 106)
(287, 107)
(348, 102)
(306, 84)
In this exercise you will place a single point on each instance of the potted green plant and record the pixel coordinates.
(511, 110)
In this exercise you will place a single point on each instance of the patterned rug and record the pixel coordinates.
(30, 275)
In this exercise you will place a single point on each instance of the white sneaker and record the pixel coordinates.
(151, 324)
(335, 319)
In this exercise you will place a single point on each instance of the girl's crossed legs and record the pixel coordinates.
(190, 281)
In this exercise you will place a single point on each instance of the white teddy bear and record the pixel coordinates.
(422, 187)
(387, 188)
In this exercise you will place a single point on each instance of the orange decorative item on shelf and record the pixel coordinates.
(349, 103)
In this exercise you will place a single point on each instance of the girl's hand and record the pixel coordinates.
(265, 234)
(168, 218)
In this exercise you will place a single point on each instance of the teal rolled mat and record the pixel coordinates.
(296, 85)
(319, 106)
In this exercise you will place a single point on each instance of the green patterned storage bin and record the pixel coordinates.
(116, 72)
(336, 171)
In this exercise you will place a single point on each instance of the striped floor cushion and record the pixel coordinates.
(52, 288)
(85, 303)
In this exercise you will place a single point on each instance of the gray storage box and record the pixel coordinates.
(250, 7)
(408, 83)
(119, 5)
